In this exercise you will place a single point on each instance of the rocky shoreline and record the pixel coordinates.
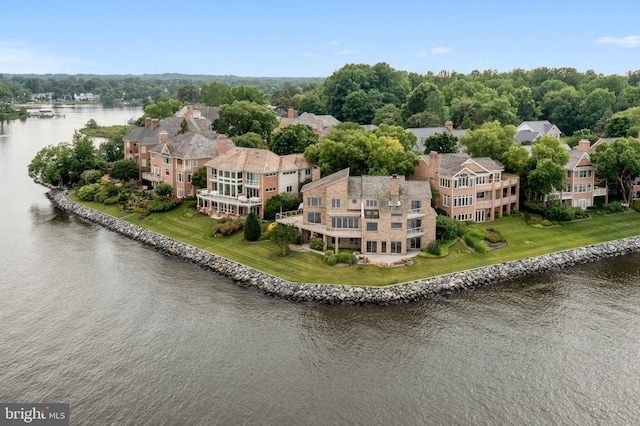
(422, 289)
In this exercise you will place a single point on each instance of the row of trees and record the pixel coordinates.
(80, 162)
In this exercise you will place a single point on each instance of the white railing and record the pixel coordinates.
(415, 231)
(292, 213)
(237, 201)
(151, 177)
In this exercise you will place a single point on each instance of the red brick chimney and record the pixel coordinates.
(449, 126)
(155, 122)
(223, 142)
(147, 122)
(290, 113)
(583, 145)
(163, 136)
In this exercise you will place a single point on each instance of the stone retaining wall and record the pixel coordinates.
(344, 294)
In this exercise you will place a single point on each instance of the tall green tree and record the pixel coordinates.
(425, 106)
(213, 93)
(52, 165)
(250, 140)
(406, 138)
(363, 152)
(199, 178)
(189, 94)
(283, 235)
(246, 93)
(594, 105)
(241, 117)
(490, 140)
(293, 139)
(619, 163)
(125, 170)
(441, 142)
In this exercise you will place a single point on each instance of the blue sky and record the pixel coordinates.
(315, 38)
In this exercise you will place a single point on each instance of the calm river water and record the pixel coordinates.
(129, 336)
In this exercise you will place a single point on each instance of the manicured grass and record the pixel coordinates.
(185, 224)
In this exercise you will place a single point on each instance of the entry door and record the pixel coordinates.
(480, 216)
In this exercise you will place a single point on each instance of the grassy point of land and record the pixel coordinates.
(186, 225)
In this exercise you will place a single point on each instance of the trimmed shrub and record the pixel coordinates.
(228, 226)
(316, 243)
(111, 201)
(434, 248)
(161, 204)
(493, 236)
(446, 228)
(88, 192)
(252, 228)
(636, 205)
(332, 260)
(613, 207)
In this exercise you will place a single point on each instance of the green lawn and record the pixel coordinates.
(185, 224)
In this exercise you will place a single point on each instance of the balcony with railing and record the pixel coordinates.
(151, 177)
(239, 200)
(185, 166)
(599, 191)
(414, 232)
(296, 218)
(414, 213)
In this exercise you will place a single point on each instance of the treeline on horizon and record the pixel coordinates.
(586, 102)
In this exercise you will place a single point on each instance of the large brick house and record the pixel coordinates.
(580, 179)
(243, 179)
(139, 141)
(174, 162)
(470, 189)
(373, 214)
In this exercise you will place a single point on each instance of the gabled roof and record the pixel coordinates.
(450, 165)
(191, 146)
(527, 136)
(540, 126)
(318, 123)
(574, 159)
(149, 135)
(294, 162)
(334, 177)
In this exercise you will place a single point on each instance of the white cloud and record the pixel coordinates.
(628, 41)
(421, 54)
(334, 43)
(345, 52)
(440, 50)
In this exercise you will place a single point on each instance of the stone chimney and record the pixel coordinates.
(449, 126)
(433, 164)
(315, 173)
(290, 113)
(223, 142)
(583, 145)
(147, 122)
(394, 185)
(155, 122)
(163, 136)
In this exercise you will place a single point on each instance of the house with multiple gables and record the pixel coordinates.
(241, 180)
(139, 141)
(422, 133)
(580, 183)
(529, 131)
(320, 124)
(471, 189)
(175, 161)
(372, 214)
